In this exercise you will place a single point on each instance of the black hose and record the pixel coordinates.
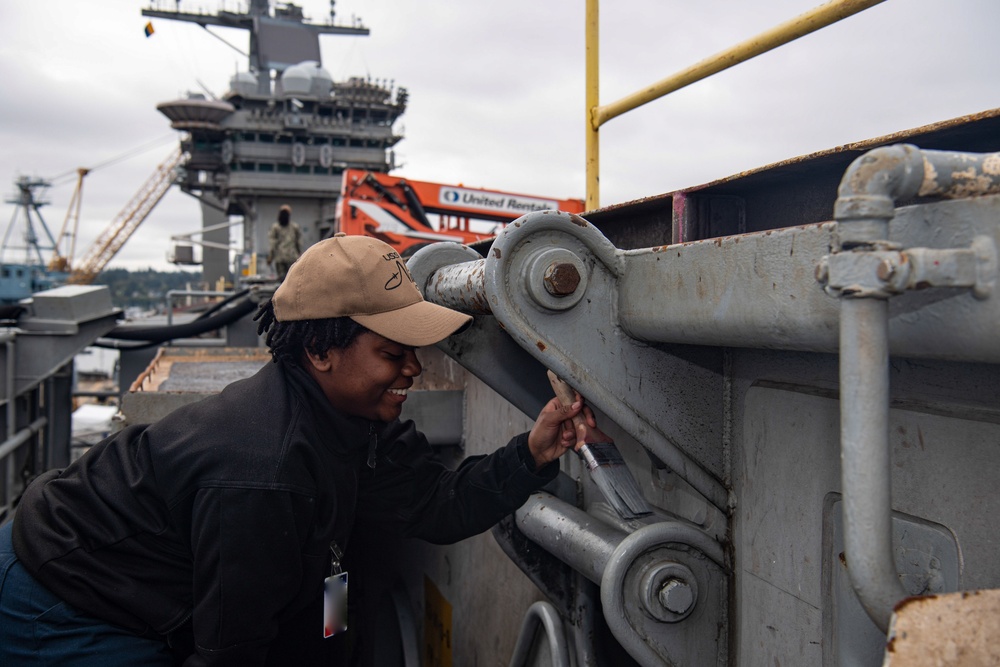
(162, 334)
(222, 304)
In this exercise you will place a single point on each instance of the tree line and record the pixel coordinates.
(146, 289)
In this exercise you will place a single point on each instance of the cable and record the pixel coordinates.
(162, 334)
(118, 158)
(222, 304)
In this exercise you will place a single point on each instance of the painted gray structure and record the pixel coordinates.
(706, 335)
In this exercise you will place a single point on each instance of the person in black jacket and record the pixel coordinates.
(212, 536)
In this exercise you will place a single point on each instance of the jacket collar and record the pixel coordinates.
(350, 434)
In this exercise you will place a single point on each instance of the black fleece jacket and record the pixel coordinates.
(213, 527)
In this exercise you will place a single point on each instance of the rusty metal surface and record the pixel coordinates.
(795, 191)
(946, 630)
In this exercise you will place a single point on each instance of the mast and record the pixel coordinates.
(277, 41)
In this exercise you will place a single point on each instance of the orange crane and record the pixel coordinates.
(120, 229)
(395, 210)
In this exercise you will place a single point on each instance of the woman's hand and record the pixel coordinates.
(554, 434)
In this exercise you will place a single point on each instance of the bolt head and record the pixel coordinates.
(676, 596)
(561, 278)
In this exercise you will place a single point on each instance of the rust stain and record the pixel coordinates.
(577, 220)
(915, 599)
(496, 252)
(541, 345)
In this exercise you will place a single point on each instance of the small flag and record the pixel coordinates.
(149, 29)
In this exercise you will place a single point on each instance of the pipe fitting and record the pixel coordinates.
(866, 198)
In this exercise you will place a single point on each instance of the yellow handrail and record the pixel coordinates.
(597, 115)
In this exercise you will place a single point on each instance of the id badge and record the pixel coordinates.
(335, 604)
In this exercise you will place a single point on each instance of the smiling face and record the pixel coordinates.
(369, 378)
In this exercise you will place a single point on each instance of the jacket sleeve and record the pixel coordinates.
(411, 491)
(247, 567)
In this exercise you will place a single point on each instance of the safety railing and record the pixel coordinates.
(14, 438)
(598, 114)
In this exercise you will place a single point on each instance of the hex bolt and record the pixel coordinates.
(561, 278)
(676, 596)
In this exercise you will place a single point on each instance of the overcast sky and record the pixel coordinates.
(496, 92)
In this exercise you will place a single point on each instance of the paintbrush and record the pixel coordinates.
(605, 463)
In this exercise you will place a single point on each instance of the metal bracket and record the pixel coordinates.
(881, 274)
(551, 281)
(664, 585)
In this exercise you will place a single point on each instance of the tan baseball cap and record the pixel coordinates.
(365, 279)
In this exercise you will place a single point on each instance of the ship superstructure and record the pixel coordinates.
(283, 133)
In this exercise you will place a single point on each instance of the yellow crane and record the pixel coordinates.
(60, 262)
(111, 240)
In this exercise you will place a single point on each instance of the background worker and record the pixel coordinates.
(207, 538)
(284, 242)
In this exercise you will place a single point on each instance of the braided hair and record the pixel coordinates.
(288, 340)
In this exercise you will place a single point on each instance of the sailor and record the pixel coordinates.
(213, 536)
(284, 242)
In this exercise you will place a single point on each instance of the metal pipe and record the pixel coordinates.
(788, 31)
(865, 205)
(7, 449)
(8, 446)
(541, 614)
(568, 533)
(461, 287)
(865, 458)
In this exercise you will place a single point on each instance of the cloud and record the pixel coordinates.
(497, 91)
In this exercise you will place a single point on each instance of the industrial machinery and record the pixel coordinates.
(806, 390)
(396, 209)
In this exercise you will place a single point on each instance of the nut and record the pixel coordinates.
(561, 278)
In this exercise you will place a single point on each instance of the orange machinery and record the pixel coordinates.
(396, 210)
